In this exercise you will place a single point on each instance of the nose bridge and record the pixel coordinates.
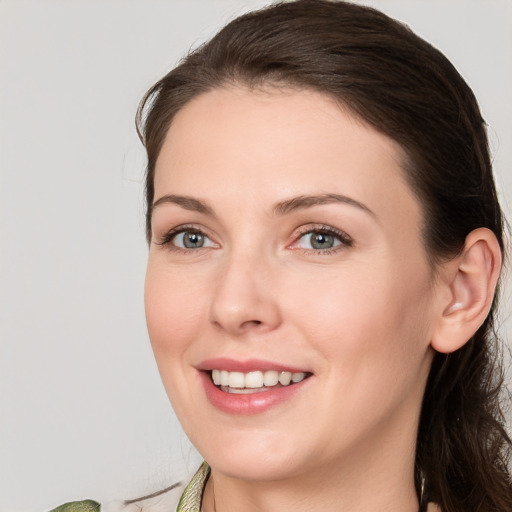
(244, 298)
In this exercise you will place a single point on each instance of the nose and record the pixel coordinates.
(245, 298)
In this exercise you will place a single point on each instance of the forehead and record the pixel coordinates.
(271, 143)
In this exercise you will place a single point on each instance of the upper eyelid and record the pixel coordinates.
(318, 228)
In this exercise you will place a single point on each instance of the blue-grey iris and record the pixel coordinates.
(322, 241)
(193, 240)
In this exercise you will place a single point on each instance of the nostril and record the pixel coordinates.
(240, 315)
(252, 323)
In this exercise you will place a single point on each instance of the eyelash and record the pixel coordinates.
(167, 238)
(344, 238)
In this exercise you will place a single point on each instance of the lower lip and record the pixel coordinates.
(252, 403)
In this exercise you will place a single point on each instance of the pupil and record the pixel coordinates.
(193, 240)
(322, 241)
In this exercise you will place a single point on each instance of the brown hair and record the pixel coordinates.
(408, 90)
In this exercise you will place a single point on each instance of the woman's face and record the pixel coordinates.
(286, 244)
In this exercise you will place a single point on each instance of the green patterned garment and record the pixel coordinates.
(79, 506)
(193, 494)
(190, 500)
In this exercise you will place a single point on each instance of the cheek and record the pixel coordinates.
(372, 335)
(172, 304)
(173, 320)
(358, 317)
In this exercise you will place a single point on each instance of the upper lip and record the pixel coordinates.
(245, 366)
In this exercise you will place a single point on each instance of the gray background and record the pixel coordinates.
(83, 413)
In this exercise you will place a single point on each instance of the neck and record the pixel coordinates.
(370, 487)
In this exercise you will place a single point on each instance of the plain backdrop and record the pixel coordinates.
(82, 411)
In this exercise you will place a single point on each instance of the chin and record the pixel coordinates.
(249, 456)
(254, 468)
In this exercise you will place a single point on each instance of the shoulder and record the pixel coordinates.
(165, 500)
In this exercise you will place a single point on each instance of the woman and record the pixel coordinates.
(325, 245)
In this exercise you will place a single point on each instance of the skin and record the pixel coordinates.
(360, 317)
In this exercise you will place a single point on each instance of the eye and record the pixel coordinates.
(317, 240)
(190, 240)
(186, 239)
(323, 239)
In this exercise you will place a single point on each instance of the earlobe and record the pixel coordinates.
(471, 280)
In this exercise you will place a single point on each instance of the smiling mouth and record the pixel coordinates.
(256, 381)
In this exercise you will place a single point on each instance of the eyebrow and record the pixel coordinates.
(280, 209)
(186, 202)
(302, 202)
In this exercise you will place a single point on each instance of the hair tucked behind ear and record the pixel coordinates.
(409, 91)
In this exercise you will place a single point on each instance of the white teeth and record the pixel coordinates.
(255, 379)
(236, 380)
(285, 378)
(224, 378)
(270, 378)
(297, 377)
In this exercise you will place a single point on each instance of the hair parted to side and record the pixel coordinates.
(406, 89)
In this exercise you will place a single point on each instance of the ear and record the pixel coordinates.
(470, 281)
